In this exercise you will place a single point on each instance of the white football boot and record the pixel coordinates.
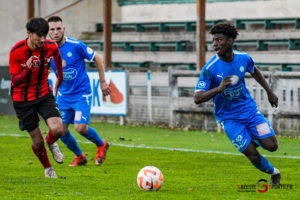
(50, 173)
(57, 154)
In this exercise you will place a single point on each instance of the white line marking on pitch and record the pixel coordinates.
(165, 148)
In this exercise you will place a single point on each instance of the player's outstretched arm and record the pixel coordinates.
(203, 96)
(258, 76)
(101, 70)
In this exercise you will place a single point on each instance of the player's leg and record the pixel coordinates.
(92, 135)
(51, 139)
(69, 140)
(259, 161)
(89, 133)
(67, 115)
(29, 121)
(262, 131)
(241, 137)
(81, 121)
(55, 126)
(269, 143)
(49, 111)
(39, 150)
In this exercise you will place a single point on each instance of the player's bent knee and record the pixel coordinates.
(57, 131)
(56, 126)
(81, 128)
(272, 147)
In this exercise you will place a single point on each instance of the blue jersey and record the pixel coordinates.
(76, 81)
(235, 101)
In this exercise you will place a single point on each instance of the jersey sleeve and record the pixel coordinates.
(14, 65)
(86, 51)
(250, 65)
(58, 64)
(204, 80)
(52, 64)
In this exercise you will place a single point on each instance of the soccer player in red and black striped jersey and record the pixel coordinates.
(29, 61)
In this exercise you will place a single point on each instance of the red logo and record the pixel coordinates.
(36, 61)
(264, 186)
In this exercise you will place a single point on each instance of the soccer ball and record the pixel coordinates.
(234, 79)
(150, 178)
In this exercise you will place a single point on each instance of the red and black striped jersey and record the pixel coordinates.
(36, 84)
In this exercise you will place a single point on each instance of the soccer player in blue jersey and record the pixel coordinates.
(223, 79)
(75, 95)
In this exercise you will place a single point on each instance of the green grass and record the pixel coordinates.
(187, 175)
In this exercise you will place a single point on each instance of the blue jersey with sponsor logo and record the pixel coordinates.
(235, 101)
(76, 81)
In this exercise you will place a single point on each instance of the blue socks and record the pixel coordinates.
(69, 140)
(265, 166)
(93, 136)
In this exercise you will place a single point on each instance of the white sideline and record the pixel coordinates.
(164, 148)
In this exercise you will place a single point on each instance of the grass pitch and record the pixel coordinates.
(187, 174)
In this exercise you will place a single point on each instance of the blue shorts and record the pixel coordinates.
(242, 132)
(75, 110)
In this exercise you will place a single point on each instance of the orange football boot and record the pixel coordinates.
(101, 153)
(79, 160)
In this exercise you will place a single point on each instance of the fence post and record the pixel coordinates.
(270, 114)
(149, 95)
(173, 94)
(121, 120)
(273, 116)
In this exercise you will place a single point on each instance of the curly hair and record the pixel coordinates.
(226, 29)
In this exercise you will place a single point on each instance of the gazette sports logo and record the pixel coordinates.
(262, 187)
(263, 184)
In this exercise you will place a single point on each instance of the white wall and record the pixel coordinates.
(83, 16)
(221, 10)
(79, 18)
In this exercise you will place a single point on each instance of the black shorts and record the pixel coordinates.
(28, 112)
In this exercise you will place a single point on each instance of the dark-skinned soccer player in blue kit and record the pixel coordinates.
(223, 80)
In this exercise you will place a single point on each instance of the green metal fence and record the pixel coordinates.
(134, 2)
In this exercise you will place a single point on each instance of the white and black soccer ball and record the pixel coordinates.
(150, 178)
(234, 79)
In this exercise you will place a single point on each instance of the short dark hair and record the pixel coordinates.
(55, 19)
(226, 29)
(38, 25)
